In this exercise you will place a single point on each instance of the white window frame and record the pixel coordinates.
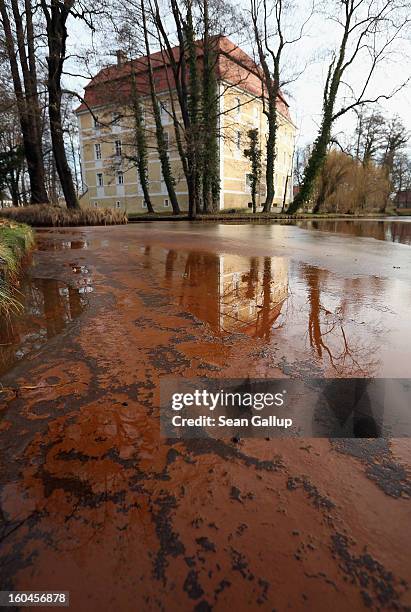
(118, 204)
(97, 151)
(163, 186)
(96, 123)
(118, 148)
(99, 182)
(238, 106)
(120, 177)
(168, 203)
(247, 183)
(164, 114)
(139, 186)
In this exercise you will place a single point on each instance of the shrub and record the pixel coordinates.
(44, 215)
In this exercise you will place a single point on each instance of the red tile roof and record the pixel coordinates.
(233, 66)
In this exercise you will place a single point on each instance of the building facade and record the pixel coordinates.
(107, 137)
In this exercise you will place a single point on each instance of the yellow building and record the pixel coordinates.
(107, 139)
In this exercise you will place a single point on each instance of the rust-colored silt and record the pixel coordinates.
(95, 502)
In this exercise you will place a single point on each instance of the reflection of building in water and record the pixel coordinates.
(230, 292)
(49, 306)
(252, 293)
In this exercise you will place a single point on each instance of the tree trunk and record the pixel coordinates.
(140, 141)
(270, 158)
(56, 18)
(161, 142)
(26, 107)
(210, 153)
(184, 94)
(59, 151)
(319, 152)
(313, 169)
(194, 131)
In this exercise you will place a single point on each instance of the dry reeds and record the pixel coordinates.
(45, 215)
(15, 242)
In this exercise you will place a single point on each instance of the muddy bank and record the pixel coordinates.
(95, 502)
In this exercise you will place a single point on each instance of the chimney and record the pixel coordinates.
(121, 57)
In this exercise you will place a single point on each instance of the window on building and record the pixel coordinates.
(115, 118)
(248, 182)
(96, 123)
(163, 186)
(120, 178)
(97, 148)
(100, 180)
(238, 141)
(167, 139)
(166, 203)
(95, 204)
(139, 187)
(164, 111)
(238, 106)
(118, 204)
(256, 112)
(143, 204)
(117, 147)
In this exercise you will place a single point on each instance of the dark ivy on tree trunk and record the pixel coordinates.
(56, 15)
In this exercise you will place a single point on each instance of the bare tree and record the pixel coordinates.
(56, 14)
(185, 83)
(20, 48)
(162, 146)
(369, 134)
(11, 153)
(369, 29)
(271, 39)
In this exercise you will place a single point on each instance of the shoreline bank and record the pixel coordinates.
(16, 242)
(251, 218)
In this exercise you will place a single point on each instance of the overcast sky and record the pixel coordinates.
(313, 53)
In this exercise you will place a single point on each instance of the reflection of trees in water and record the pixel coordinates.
(269, 311)
(169, 265)
(327, 330)
(230, 293)
(147, 259)
(201, 287)
(45, 243)
(48, 306)
(401, 232)
(391, 231)
(252, 278)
